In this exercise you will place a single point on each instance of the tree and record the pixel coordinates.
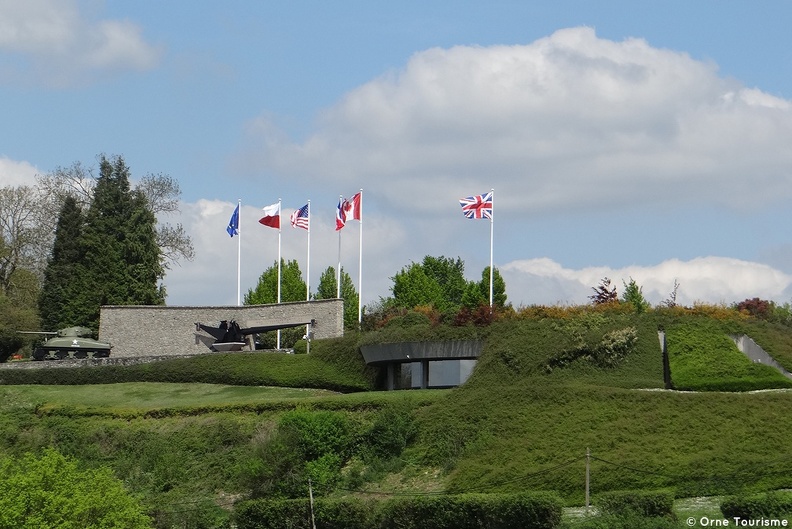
(449, 274)
(498, 287)
(24, 235)
(413, 287)
(120, 262)
(633, 294)
(266, 291)
(604, 293)
(438, 282)
(61, 277)
(160, 191)
(52, 491)
(328, 289)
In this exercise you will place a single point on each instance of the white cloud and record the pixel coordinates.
(570, 120)
(52, 41)
(704, 279)
(211, 279)
(14, 173)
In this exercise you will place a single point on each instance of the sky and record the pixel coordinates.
(633, 140)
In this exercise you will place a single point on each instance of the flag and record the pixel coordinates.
(352, 208)
(233, 224)
(271, 216)
(340, 215)
(477, 207)
(299, 219)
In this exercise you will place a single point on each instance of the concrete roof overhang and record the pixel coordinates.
(403, 352)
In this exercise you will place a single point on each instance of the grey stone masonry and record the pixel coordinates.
(136, 330)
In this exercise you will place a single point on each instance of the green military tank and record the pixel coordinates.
(71, 342)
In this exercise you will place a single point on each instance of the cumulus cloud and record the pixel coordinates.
(704, 279)
(211, 279)
(52, 41)
(570, 120)
(14, 173)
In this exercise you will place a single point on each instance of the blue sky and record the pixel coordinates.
(623, 139)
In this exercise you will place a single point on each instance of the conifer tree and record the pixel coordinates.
(328, 289)
(61, 275)
(120, 259)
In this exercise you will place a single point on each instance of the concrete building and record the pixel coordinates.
(137, 330)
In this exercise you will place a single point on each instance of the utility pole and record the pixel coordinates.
(310, 496)
(588, 473)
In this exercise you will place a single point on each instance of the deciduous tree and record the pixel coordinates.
(328, 289)
(52, 491)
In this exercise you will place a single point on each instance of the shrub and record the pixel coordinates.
(645, 503)
(51, 491)
(767, 505)
(473, 511)
(758, 308)
(348, 513)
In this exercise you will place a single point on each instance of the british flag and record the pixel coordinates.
(477, 207)
(299, 219)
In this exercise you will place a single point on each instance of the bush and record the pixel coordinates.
(51, 491)
(768, 505)
(473, 511)
(644, 503)
(296, 514)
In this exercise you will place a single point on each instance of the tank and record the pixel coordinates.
(71, 342)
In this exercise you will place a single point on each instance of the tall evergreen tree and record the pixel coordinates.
(60, 277)
(328, 289)
(120, 262)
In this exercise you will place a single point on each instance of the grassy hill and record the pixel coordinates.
(193, 436)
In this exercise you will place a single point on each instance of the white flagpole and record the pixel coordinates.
(279, 250)
(279, 262)
(338, 270)
(492, 224)
(360, 263)
(308, 264)
(308, 283)
(239, 254)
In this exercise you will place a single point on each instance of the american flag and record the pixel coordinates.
(477, 207)
(299, 219)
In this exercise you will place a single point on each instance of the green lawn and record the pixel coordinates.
(155, 395)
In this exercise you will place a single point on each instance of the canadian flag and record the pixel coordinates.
(352, 208)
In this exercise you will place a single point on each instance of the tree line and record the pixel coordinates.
(76, 241)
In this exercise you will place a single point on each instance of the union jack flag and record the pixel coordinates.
(299, 219)
(477, 207)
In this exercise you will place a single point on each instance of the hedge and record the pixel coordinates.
(766, 505)
(464, 511)
(645, 503)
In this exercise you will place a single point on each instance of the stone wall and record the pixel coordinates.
(136, 330)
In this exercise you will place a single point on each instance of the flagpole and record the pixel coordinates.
(308, 264)
(279, 263)
(360, 262)
(492, 230)
(338, 270)
(239, 255)
(308, 283)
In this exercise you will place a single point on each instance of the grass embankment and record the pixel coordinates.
(548, 387)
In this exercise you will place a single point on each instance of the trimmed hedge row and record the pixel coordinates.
(645, 503)
(464, 511)
(239, 369)
(767, 505)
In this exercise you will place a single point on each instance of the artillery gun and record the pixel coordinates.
(229, 336)
(71, 342)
